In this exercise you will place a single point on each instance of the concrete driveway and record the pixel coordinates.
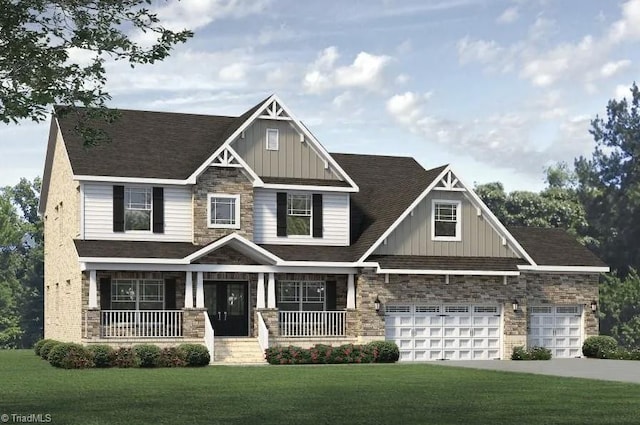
(608, 370)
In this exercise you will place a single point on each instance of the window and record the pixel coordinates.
(223, 211)
(137, 208)
(446, 221)
(299, 215)
(273, 139)
(301, 296)
(137, 294)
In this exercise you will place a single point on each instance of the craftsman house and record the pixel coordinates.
(244, 232)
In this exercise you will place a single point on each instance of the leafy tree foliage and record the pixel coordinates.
(620, 308)
(556, 206)
(36, 38)
(609, 183)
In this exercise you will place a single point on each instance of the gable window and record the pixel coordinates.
(137, 208)
(446, 221)
(223, 211)
(299, 214)
(273, 142)
(302, 296)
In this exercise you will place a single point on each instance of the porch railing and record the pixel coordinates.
(141, 323)
(312, 323)
(209, 337)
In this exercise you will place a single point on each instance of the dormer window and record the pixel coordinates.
(137, 208)
(273, 139)
(445, 224)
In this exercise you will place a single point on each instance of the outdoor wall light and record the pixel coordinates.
(594, 306)
(515, 305)
(376, 304)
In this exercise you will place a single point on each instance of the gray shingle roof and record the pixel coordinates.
(554, 247)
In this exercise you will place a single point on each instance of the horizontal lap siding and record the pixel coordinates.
(413, 235)
(335, 210)
(98, 215)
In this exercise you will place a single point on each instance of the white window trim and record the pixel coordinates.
(458, 236)
(277, 139)
(150, 231)
(310, 235)
(236, 225)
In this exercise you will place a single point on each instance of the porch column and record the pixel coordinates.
(199, 291)
(351, 292)
(271, 291)
(260, 295)
(188, 290)
(93, 289)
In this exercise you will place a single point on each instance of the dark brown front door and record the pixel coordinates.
(228, 306)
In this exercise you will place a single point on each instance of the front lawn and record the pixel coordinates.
(338, 394)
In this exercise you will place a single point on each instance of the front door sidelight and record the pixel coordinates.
(227, 304)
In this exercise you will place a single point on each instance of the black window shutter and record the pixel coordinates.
(281, 211)
(118, 208)
(170, 294)
(317, 215)
(330, 294)
(105, 293)
(158, 210)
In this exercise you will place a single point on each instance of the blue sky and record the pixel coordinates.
(498, 88)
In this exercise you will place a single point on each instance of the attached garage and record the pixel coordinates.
(445, 332)
(558, 328)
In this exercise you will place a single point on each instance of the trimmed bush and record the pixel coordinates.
(147, 355)
(38, 345)
(171, 357)
(195, 354)
(384, 351)
(103, 355)
(46, 348)
(534, 353)
(70, 356)
(600, 347)
(124, 357)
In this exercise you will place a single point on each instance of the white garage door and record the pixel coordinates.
(558, 328)
(444, 332)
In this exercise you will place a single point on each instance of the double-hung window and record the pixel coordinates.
(446, 221)
(137, 208)
(223, 211)
(137, 294)
(302, 296)
(299, 214)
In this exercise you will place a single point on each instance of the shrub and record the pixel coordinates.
(70, 356)
(103, 355)
(520, 353)
(534, 353)
(599, 347)
(195, 354)
(147, 355)
(38, 345)
(384, 351)
(46, 348)
(124, 357)
(171, 357)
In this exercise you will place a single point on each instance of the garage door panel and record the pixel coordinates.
(558, 328)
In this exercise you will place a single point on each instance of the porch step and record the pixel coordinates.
(238, 351)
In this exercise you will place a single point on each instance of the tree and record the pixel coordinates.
(609, 183)
(620, 308)
(36, 36)
(555, 206)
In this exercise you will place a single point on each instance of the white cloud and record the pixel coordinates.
(610, 69)
(477, 50)
(194, 14)
(627, 28)
(342, 100)
(510, 15)
(622, 91)
(271, 35)
(402, 79)
(366, 71)
(233, 72)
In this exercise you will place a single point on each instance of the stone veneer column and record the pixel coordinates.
(193, 323)
(91, 324)
(270, 316)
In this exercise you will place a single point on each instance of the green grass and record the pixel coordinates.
(339, 394)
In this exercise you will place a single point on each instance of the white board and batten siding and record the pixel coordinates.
(98, 215)
(335, 211)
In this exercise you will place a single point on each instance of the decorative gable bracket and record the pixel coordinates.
(449, 182)
(226, 159)
(275, 112)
